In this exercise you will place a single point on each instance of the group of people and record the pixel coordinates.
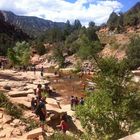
(38, 105)
(41, 70)
(39, 108)
(75, 102)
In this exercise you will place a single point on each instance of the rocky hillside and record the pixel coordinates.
(33, 26)
(121, 21)
(9, 34)
(10, 30)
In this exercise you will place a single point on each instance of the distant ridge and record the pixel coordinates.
(11, 30)
(9, 34)
(33, 26)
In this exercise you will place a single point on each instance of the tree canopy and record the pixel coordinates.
(20, 54)
(133, 53)
(112, 110)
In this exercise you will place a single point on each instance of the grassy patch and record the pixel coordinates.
(32, 124)
(3, 100)
(10, 108)
(60, 136)
(13, 110)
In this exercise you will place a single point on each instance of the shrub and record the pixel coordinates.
(133, 53)
(31, 124)
(10, 108)
(112, 110)
(3, 100)
(60, 136)
(13, 110)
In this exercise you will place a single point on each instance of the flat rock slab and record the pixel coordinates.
(41, 82)
(6, 118)
(29, 97)
(135, 136)
(22, 101)
(34, 133)
(20, 93)
(31, 86)
(12, 83)
(51, 101)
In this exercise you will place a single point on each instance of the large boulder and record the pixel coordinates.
(6, 119)
(6, 132)
(7, 87)
(16, 122)
(1, 115)
(16, 132)
(34, 133)
(30, 96)
(21, 101)
(135, 136)
(20, 93)
(2, 134)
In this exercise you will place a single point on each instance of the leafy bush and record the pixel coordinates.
(88, 49)
(60, 136)
(3, 100)
(20, 54)
(31, 124)
(10, 108)
(58, 55)
(39, 47)
(111, 111)
(133, 53)
(13, 110)
(78, 67)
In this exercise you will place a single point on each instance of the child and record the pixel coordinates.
(81, 101)
(33, 104)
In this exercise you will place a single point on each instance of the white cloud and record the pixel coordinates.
(61, 10)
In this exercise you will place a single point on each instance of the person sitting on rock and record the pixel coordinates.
(33, 104)
(63, 126)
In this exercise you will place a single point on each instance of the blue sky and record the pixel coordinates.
(63, 10)
(127, 4)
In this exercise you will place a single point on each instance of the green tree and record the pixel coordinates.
(12, 57)
(38, 45)
(71, 43)
(133, 53)
(113, 21)
(91, 33)
(120, 26)
(58, 54)
(91, 24)
(20, 54)
(77, 24)
(88, 49)
(67, 28)
(55, 35)
(111, 111)
(25, 57)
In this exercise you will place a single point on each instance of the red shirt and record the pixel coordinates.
(64, 125)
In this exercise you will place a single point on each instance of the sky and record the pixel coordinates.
(63, 10)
